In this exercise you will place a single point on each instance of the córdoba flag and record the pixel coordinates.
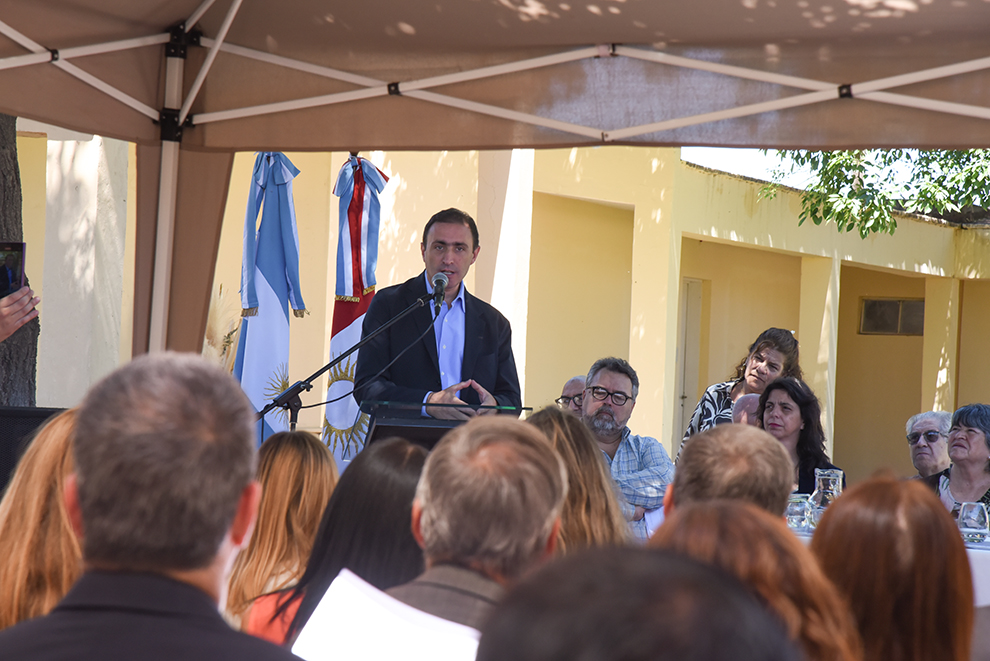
(358, 186)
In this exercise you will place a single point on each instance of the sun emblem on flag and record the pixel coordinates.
(349, 439)
(278, 382)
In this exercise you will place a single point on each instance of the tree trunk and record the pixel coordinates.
(19, 352)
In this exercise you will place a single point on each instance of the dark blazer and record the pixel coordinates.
(133, 617)
(487, 350)
(453, 593)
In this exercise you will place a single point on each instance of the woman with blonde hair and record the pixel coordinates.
(894, 552)
(763, 553)
(39, 552)
(297, 474)
(591, 515)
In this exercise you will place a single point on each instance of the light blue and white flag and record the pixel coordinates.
(269, 286)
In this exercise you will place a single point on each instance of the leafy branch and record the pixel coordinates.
(861, 189)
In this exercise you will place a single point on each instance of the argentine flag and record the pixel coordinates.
(269, 286)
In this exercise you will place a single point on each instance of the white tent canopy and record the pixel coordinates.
(450, 74)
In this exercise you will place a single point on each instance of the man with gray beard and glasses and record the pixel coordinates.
(639, 465)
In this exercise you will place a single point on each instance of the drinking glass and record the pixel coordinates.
(796, 513)
(973, 522)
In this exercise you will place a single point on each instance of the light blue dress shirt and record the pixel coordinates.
(642, 469)
(448, 326)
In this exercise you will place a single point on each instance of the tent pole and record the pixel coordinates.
(168, 185)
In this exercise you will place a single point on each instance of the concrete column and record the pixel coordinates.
(653, 316)
(86, 219)
(939, 362)
(505, 214)
(818, 332)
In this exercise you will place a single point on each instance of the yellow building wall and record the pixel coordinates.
(973, 385)
(32, 159)
(580, 293)
(878, 379)
(751, 290)
(639, 179)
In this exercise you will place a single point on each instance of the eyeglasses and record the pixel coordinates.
(564, 402)
(931, 436)
(599, 393)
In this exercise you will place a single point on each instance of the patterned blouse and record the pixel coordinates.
(946, 496)
(715, 408)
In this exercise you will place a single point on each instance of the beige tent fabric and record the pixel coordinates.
(613, 93)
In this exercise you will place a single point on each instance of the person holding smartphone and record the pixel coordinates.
(17, 309)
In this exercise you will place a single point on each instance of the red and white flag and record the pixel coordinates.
(358, 186)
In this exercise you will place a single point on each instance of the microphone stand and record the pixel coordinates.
(289, 399)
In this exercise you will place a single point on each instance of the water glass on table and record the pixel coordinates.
(974, 524)
(796, 513)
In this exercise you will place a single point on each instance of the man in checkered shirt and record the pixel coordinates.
(639, 465)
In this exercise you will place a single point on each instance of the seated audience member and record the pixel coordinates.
(365, 528)
(571, 395)
(733, 462)
(758, 549)
(896, 555)
(790, 412)
(39, 552)
(927, 436)
(773, 354)
(487, 509)
(744, 410)
(591, 515)
(632, 604)
(297, 474)
(639, 464)
(967, 480)
(163, 496)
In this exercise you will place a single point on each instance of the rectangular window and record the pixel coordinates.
(892, 316)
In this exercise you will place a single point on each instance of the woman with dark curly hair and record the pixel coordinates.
(773, 354)
(790, 412)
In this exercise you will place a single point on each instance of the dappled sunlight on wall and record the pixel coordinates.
(420, 184)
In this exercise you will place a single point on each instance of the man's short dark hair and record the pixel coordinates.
(635, 605)
(164, 448)
(453, 217)
(617, 365)
(734, 461)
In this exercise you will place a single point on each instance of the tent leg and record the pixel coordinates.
(168, 185)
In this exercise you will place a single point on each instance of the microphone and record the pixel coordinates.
(439, 285)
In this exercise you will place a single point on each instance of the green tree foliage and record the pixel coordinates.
(860, 190)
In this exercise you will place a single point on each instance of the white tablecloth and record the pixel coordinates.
(979, 564)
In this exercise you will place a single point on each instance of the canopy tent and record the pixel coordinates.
(193, 83)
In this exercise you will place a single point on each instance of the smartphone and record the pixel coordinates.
(11, 267)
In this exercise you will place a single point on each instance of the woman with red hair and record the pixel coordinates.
(895, 553)
(758, 549)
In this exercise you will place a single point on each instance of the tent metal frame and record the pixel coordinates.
(814, 91)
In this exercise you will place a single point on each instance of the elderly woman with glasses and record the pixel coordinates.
(927, 436)
(967, 480)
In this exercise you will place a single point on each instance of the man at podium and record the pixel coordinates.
(466, 359)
